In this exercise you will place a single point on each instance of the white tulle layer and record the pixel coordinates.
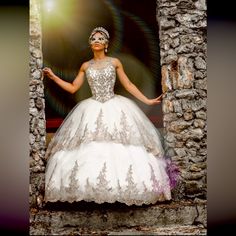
(89, 159)
(107, 172)
(117, 120)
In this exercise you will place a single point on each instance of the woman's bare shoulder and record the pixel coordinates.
(84, 65)
(116, 62)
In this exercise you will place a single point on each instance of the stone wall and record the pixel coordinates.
(37, 136)
(182, 33)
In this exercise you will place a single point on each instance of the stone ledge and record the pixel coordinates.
(170, 230)
(63, 218)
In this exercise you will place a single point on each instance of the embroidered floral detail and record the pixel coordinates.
(60, 139)
(64, 193)
(126, 134)
(125, 130)
(102, 188)
(73, 181)
(131, 189)
(103, 183)
(131, 193)
(101, 132)
(160, 188)
(88, 193)
(101, 192)
(156, 187)
(50, 190)
(148, 140)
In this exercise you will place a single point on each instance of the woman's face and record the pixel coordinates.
(98, 41)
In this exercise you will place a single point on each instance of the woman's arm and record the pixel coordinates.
(69, 87)
(131, 88)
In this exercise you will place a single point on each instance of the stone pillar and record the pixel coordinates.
(182, 33)
(37, 136)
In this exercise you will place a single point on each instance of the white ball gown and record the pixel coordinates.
(106, 149)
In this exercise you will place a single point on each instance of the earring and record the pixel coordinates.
(105, 50)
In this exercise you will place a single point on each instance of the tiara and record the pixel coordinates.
(101, 29)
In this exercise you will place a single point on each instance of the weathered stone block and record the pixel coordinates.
(193, 187)
(35, 52)
(200, 74)
(166, 82)
(170, 117)
(197, 158)
(40, 90)
(39, 103)
(198, 123)
(200, 63)
(167, 106)
(166, 23)
(193, 105)
(179, 144)
(192, 152)
(193, 134)
(185, 5)
(201, 5)
(203, 151)
(170, 137)
(181, 75)
(31, 103)
(192, 20)
(186, 48)
(178, 126)
(175, 43)
(202, 93)
(185, 93)
(177, 107)
(168, 56)
(198, 166)
(180, 152)
(188, 116)
(193, 175)
(170, 151)
(37, 187)
(201, 115)
(192, 144)
(39, 63)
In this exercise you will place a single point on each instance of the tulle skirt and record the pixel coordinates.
(107, 152)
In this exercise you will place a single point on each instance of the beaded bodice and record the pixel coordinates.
(101, 77)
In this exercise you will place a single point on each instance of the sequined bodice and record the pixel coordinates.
(101, 77)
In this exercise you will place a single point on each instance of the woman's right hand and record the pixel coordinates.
(155, 100)
(48, 72)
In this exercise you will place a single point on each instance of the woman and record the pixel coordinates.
(106, 149)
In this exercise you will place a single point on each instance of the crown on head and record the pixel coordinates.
(100, 29)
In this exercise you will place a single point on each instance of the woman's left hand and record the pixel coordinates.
(155, 100)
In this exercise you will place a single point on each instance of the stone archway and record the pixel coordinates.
(182, 34)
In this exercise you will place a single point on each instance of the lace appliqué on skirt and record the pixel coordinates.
(101, 192)
(125, 135)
